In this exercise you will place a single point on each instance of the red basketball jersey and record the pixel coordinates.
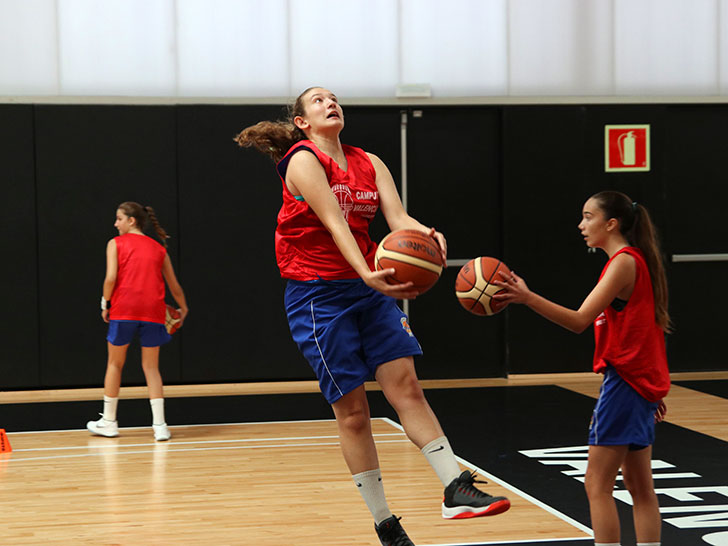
(139, 289)
(630, 340)
(305, 250)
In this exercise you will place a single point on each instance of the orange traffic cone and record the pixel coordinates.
(4, 442)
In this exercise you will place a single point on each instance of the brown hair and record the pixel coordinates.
(274, 138)
(639, 230)
(144, 215)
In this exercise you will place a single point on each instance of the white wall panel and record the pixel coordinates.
(560, 47)
(722, 20)
(666, 47)
(348, 47)
(28, 60)
(363, 48)
(458, 47)
(117, 47)
(232, 48)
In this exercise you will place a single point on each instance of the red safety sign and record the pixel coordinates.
(626, 148)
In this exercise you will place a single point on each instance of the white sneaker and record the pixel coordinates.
(161, 432)
(102, 427)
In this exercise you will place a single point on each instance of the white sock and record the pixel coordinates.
(157, 411)
(442, 460)
(648, 544)
(370, 486)
(607, 544)
(110, 408)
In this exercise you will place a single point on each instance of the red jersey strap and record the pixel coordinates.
(630, 340)
(305, 250)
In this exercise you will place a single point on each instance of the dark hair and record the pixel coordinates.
(144, 215)
(639, 230)
(274, 138)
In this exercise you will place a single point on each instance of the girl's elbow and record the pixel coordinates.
(579, 328)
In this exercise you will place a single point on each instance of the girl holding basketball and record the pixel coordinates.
(342, 314)
(133, 304)
(628, 308)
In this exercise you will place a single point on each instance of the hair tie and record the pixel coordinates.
(634, 206)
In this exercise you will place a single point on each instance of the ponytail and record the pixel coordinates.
(144, 215)
(637, 227)
(275, 138)
(157, 227)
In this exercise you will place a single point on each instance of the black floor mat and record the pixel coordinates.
(716, 387)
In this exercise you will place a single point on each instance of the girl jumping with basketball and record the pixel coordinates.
(342, 314)
(628, 308)
(133, 303)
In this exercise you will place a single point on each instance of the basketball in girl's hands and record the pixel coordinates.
(414, 255)
(474, 285)
(172, 319)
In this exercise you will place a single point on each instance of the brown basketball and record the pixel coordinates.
(172, 319)
(474, 286)
(414, 255)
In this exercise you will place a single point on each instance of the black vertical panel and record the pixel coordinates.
(546, 180)
(695, 150)
(19, 363)
(229, 200)
(453, 161)
(376, 130)
(554, 160)
(88, 160)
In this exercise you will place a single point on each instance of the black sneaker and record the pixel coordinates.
(464, 500)
(390, 533)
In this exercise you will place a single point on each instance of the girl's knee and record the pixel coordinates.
(355, 420)
(408, 392)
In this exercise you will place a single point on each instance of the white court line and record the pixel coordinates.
(181, 426)
(510, 487)
(200, 442)
(523, 541)
(172, 450)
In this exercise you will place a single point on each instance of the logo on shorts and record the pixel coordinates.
(406, 326)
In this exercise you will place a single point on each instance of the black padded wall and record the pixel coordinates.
(19, 362)
(546, 180)
(506, 181)
(454, 185)
(695, 179)
(88, 160)
(229, 199)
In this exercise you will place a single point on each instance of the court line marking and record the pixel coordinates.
(513, 488)
(198, 442)
(158, 449)
(183, 426)
(521, 541)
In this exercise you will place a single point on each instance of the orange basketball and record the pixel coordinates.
(414, 255)
(474, 285)
(172, 319)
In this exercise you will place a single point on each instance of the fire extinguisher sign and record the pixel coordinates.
(626, 148)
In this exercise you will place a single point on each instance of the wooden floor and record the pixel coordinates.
(260, 483)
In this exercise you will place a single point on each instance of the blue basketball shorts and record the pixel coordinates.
(345, 330)
(621, 416)
(151, 334)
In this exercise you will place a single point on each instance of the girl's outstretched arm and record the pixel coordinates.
(620, 276)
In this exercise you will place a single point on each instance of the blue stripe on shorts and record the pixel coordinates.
(345, 330)
(151, 334)
(621, 416)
